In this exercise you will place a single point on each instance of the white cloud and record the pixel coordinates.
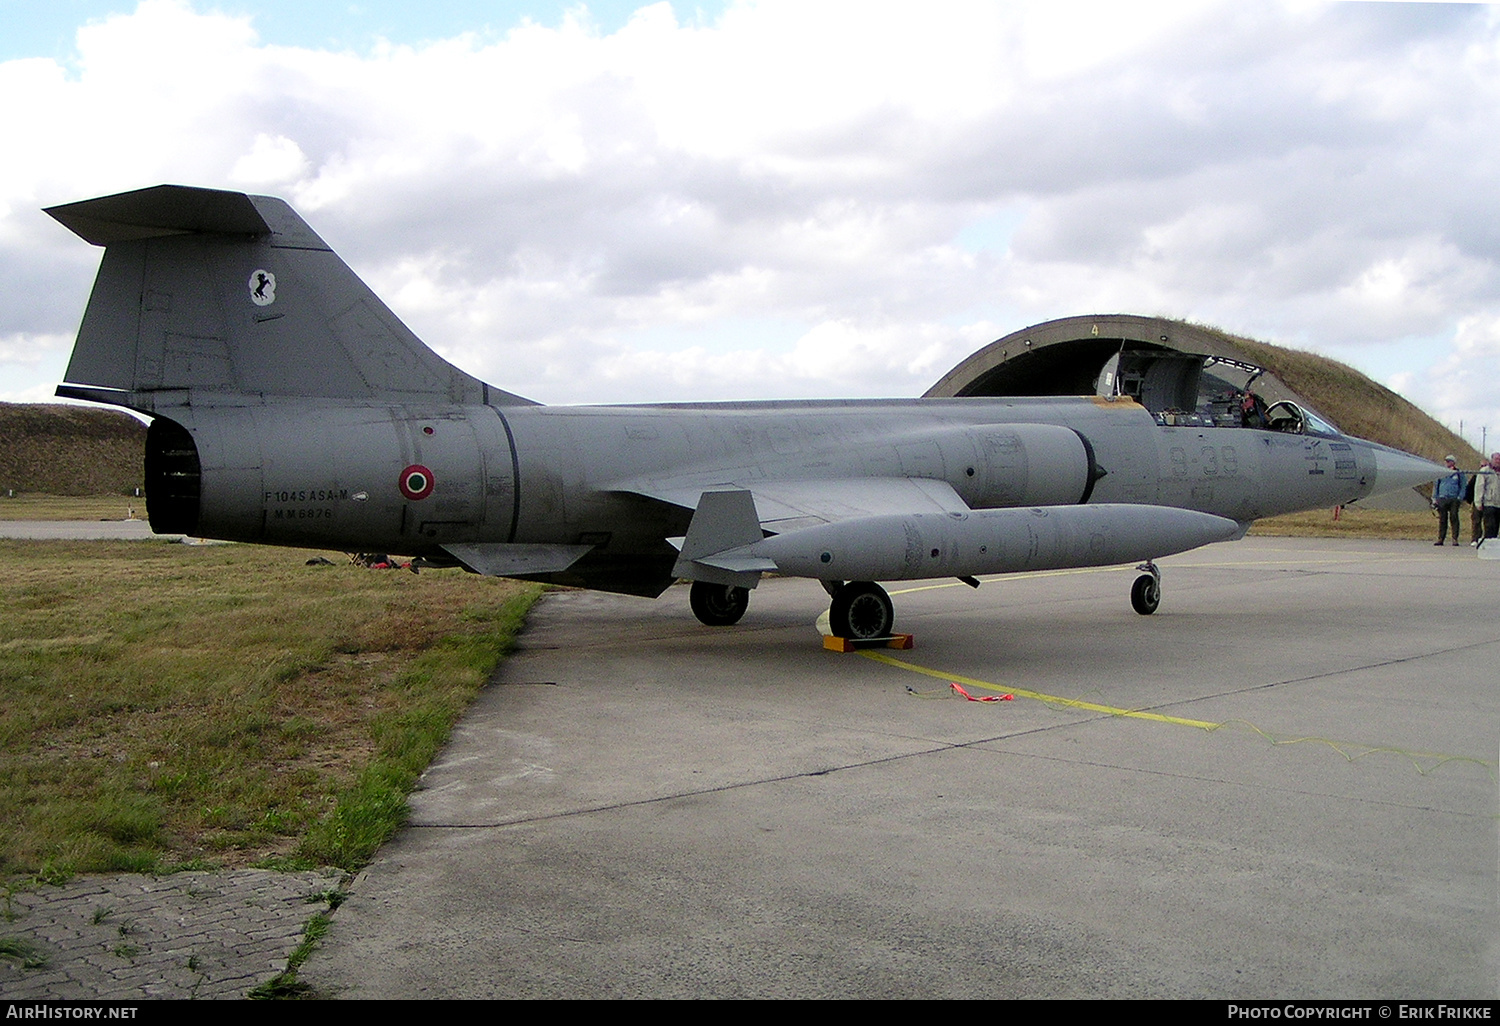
(580, 216)
(27, 348)
(37, 393)
(272, 160)
(1463, 385)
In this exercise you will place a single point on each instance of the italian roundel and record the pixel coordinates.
(416, 482)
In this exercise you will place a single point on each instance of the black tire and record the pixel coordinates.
(862, 611)
(718, 605)
(1145, 594)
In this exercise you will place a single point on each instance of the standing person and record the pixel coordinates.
(1487, 495)
(1447, 495)
(1476, 515)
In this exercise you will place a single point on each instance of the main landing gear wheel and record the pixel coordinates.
(718, 605)
(861, 610)
(1145, 594)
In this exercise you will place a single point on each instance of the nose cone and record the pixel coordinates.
(1395, 470)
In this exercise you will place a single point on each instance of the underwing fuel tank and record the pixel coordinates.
(990, 541)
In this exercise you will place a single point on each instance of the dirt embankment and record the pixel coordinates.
(69, 450)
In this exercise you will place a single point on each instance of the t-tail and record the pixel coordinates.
(269, 368)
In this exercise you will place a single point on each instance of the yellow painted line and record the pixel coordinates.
(1071, 703)
(1352, 750)
(1348, 749)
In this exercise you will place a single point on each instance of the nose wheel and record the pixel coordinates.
(718, 605)
(862, 611)
(1145, 594)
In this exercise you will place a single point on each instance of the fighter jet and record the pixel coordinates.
(289, 406)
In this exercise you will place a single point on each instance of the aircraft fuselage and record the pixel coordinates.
(290, 406)
(329, 474)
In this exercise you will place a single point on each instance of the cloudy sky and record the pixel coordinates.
(622, 203)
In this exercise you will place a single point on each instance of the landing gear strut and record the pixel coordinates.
(1145, 594)
(718, 605)
(861, 610)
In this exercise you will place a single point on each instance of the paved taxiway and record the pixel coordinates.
(639, 806)
(79, 530)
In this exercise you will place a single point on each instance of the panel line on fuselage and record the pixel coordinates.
(515, 475)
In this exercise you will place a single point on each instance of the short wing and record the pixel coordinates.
(732, 511)
(789, 505)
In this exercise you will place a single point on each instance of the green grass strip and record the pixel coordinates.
(444, 681)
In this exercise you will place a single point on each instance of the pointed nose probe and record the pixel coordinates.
(1395, 470)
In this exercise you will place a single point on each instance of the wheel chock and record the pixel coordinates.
(899, 641)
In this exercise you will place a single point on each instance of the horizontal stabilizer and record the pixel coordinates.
(163, 210)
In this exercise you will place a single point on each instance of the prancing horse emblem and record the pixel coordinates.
(262, 287)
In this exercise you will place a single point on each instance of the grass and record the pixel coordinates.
(166, 706)
(1354, 522)
(69, 449)
(39, 506)
(23, 952)
(285, 986)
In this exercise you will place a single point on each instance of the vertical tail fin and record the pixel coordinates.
(218, 296)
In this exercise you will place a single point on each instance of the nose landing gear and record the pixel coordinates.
(1145, 594)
